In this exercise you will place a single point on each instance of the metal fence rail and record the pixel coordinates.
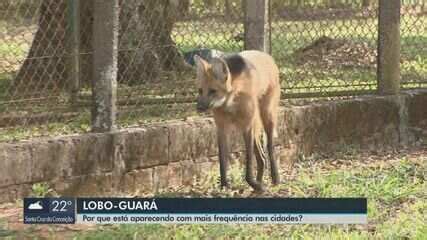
(48, 50)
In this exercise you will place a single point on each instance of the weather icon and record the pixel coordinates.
(35, 206)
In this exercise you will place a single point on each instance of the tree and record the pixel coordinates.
(146, 44)
(366, 3)
(147, 27)
(45, 63)
(227, 9)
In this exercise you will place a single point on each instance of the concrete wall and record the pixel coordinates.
(174, 153)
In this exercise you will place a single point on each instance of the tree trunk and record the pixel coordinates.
(366, 3)
(45, 64)
(86, 33)
(209, 4)
(157, 21)
(227, 9)
(146, 46)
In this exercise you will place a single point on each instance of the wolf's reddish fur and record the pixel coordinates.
(243, 92)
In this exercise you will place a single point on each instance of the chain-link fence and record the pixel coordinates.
(323, 48)
(152, 72)
(327, 48)
(414, 44)
(35, 69)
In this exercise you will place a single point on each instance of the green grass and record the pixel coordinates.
(13, 49)
(395, 188)
(79, 124)
(394, 184)
(5, 82)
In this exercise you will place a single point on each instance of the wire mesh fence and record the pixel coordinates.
(414, 44)
(326, 48)
(322, 47)
(152, 72)
(34, 69)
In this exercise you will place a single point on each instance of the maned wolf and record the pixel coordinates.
(243, 91)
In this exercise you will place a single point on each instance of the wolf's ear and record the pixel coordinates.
(201, 64)
(219, 69)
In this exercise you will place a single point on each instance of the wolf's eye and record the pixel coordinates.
(200, 91)
(212, 92)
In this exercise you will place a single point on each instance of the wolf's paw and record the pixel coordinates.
(260, 188)
(224, 184)
(275, 181)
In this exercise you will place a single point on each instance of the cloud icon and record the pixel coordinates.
(35, 206)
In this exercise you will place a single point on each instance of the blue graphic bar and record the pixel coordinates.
(195, 210)
(222, 205)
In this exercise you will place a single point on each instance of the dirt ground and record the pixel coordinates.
(328, 53)
(11, 214)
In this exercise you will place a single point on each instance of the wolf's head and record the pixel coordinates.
(214, 83)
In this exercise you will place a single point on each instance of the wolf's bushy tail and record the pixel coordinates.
(258, 132)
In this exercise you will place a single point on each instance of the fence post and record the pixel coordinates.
(257, 30)
(388, 68)
(74, 48)
(104, 86)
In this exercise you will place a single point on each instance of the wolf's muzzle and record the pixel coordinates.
(202, 105)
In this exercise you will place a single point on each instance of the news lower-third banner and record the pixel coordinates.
(195, 210)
